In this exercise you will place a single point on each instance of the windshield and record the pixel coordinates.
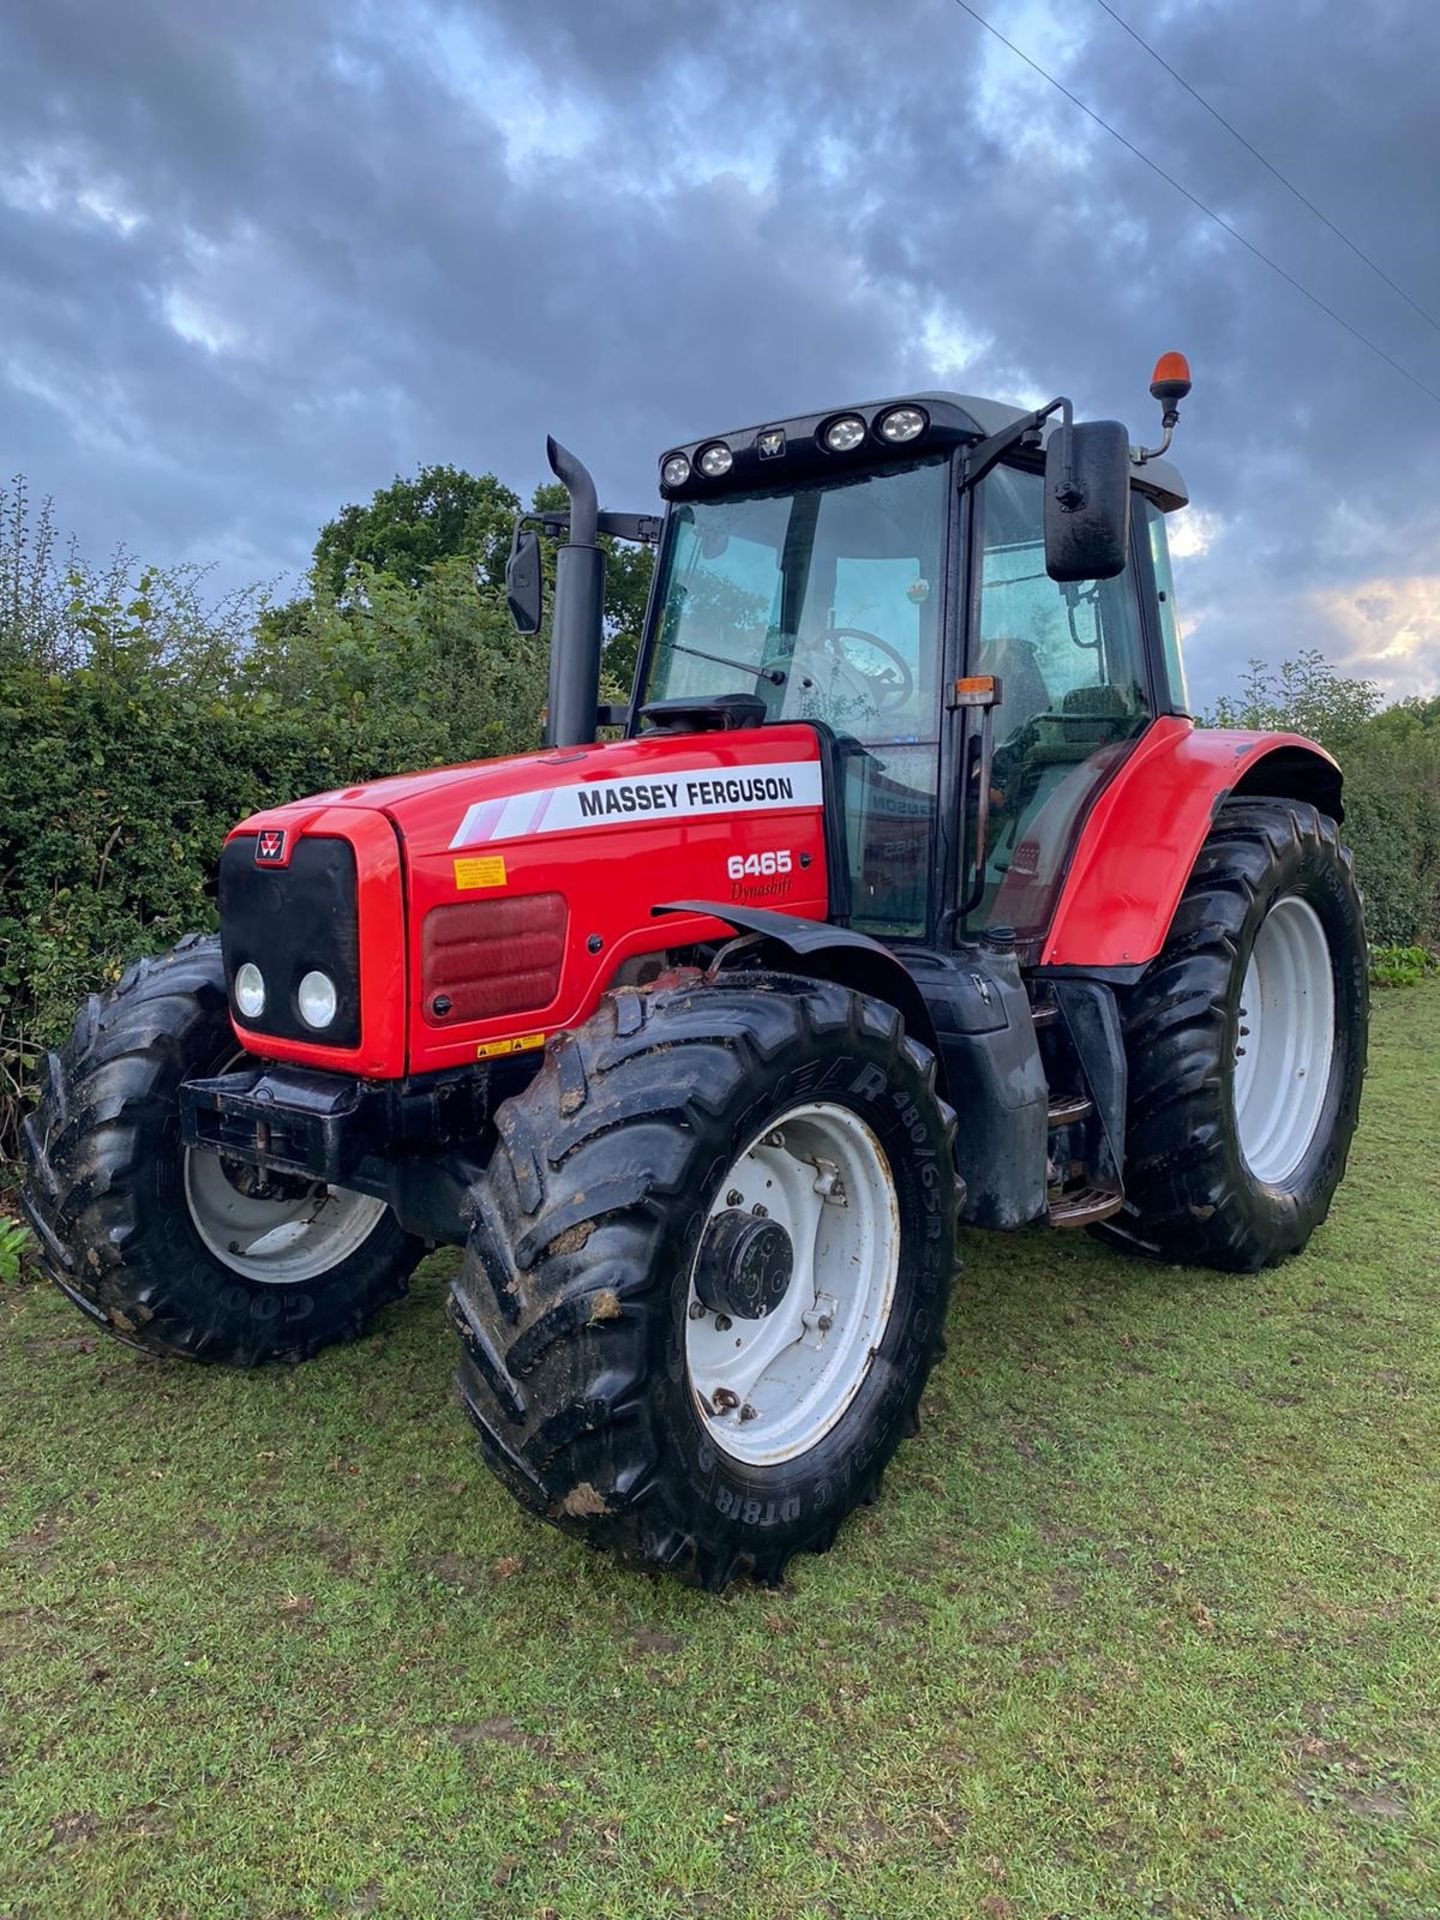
(824, 601)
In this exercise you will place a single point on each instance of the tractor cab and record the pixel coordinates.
(882, 572)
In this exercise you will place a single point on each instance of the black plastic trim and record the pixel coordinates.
(837, 846)
(1118, 976)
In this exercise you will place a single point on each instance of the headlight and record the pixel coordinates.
(250, 990)
(675, 471)
(716, 460)
(316, 999)
(903, 423)
(844, 434)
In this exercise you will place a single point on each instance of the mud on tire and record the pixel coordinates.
(571, 1303)
(106, 1192)
(1190, 1192)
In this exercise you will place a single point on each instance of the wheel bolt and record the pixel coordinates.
(747, 1412)
(697, 1310)
(760, 1211)
(776, 1139)
(734, 1198)
(724, 1400)
(722, 1323)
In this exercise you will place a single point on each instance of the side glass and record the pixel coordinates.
(1169, 621)
(1071, 664)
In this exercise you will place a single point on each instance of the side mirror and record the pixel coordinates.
(1087, 501)
(525, 582)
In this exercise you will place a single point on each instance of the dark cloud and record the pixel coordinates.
(255, 260)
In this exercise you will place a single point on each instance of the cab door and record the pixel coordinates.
(1076, 696)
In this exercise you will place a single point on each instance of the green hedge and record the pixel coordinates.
(118, 782)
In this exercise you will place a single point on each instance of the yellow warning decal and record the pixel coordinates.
(487, 870)
(522, 1043)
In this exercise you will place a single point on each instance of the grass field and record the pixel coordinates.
(1148, 1622)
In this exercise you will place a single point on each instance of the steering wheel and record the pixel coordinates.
(883, 688)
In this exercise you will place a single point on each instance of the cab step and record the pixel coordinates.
(1067, 1108)
(1083, 1206)
(1044, 1013)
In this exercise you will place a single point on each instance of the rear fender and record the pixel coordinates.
(1139, 845)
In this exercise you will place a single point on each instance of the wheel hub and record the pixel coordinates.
(744, 1265)
(792, 1284)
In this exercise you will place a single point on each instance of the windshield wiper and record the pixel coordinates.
(772, 674)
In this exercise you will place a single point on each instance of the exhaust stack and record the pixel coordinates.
(577, 627)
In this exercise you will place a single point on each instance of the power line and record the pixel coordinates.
(1269, 166)
(1209, 212)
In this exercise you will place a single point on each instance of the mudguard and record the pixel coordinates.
(831, 952)
(1139, 844)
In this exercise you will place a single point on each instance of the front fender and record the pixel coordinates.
(832, 953)
(1139, 844)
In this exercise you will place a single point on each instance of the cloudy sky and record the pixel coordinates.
(256, 259)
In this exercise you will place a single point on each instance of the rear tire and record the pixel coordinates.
(577, 1300)
(1233, 1147)
(135, 1234)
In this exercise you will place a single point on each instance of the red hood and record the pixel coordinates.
(611, 832)
(431, 808)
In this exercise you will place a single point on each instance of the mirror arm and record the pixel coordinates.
(643, 528)
(986, 453)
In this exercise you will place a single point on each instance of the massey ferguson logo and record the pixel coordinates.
(767, 787)
(270, 847)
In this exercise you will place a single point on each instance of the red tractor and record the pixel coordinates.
(910, 893)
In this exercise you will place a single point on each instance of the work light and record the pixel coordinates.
(901, 424)
(845, 434)
(676, 470)
(716, 460)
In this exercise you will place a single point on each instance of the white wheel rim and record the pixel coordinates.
(771, 1389)
(1285, 1040)
(277, 1242)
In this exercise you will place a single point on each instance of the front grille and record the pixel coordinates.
(288, 920)
(482, 958)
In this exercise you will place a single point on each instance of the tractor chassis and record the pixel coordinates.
(417, 1144)
(1030, 1152)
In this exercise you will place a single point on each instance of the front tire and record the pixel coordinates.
(1246, 1041)
(164, 1246)
(691, 1155)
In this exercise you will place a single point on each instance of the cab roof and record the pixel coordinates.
(952, 419)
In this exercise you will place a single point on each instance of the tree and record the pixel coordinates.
(444, 513)
(1391, 762)
(1304, 695)
(627, 589)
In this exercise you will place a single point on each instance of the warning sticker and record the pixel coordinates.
(767, 788)
(486, 871)
(522, 1043)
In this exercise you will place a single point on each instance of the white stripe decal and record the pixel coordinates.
(767, 788)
